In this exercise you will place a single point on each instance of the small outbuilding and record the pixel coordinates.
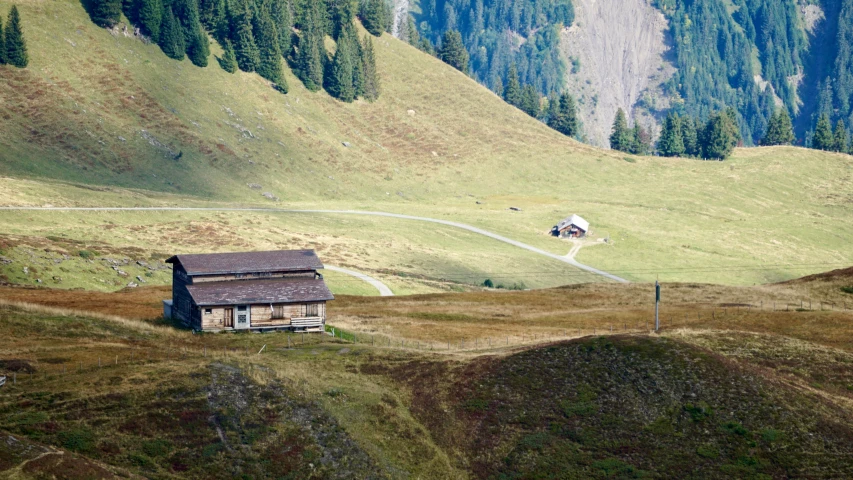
(277, 290)
(571, 227)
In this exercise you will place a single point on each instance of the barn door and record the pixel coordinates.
(229, 318)
(243, 317)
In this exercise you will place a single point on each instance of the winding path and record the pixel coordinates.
(449, 223)
(384, 291)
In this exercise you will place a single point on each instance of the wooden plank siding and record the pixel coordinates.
(246, 276)
(261, 315)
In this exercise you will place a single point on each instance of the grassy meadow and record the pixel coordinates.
(122, 125)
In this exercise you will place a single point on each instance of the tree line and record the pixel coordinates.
(716, 138)
(13, 47)
(263, 35)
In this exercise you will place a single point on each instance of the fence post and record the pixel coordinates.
(14, 378)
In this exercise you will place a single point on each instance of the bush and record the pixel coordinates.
(78, 440)
(847, 289)
(86, 254)
(488, 283)
(156, 448)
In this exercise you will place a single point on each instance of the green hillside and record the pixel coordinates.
(96, 108)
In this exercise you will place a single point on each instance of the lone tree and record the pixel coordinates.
(621, 138)
(720, 136)
(453, 51)
(14, 45)
(823, 138)
(512, 92)
(840, 137)
(671, 141)
(564, 117)
(105, 13)
(779, 129)
(228, 62)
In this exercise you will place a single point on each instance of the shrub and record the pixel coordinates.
(488, 283)
(78, 440)
(847, 289)
(86, 254)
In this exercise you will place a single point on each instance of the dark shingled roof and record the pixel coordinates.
(241, 292)
(248, 262)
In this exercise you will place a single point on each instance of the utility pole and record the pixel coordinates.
(657, 306)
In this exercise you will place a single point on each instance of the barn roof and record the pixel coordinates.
(248, 262)
(238, 292)
(575, 220)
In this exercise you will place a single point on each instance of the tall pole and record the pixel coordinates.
(657, 306)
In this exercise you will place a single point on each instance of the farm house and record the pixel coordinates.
(571, 227)
(277, 290)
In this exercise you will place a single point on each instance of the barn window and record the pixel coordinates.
(312, 310)
(208, 311)
(277, 312)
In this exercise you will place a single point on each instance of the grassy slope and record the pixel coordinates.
(738, 405)
(785, 209)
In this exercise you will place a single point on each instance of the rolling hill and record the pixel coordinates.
(102, 118)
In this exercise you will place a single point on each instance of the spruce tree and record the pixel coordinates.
(564, 117)
(2, 43)
(690, 136)
(357, 61)
(671, 141)
(339, 82)
(150, 17)
(512, 92)
(171, 39)
(105, 13)
(621, 138)
(372, 14)
(371, 76)
(309, 60)
(242, 38)
(453, 51)
(641, 141)
(266, 36)
(823, 138)
(840, 137)
(779, 129)
(195, 39)
(530, 101)
(720, 136)
(14, 46)
(282, 16)
(228, 62)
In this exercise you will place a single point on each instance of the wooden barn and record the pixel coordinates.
(571, 227)
(278, 290)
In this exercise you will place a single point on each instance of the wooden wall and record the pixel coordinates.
(233, 276)
(261, 315)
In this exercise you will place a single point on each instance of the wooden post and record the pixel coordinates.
(116, 359)
(14, 378)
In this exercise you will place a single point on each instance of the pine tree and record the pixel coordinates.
(840, 137)
(641, 141)
(228, 62)
(15, 48)
(371, 76)
(823, 138)
(171, 40)
(564, 118)
(453, 51)
(372, 14)
(357, 61)
(105, 13)
(512, 92)
(339, 81)
(720, 136)
(195, 39)
(690, 136)
(530, 101)
(282, 16)
(671, 141)
(779, 129)
(309, 60)
(150, 17)
(245, 48)
(621, 138)
(269, 54)
(2, 44)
